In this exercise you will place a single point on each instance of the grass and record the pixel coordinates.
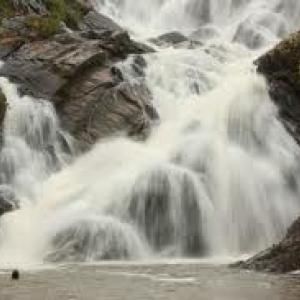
(68, 11)
(6, 9)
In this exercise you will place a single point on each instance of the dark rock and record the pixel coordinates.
(280, 258)
(3, 107)
(280, 66)
(8, 201)
(95, 21)
(15, 275)
(170, 38)
(10, 45)
(176, 40)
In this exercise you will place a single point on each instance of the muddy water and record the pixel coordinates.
(152, 281)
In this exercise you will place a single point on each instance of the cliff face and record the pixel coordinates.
(67, 53)
(281, 67)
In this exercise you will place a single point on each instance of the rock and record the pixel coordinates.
(9, 45)
(29, 5)
(280, 258)
(109, 107)
(176, 40)
(8, 201)
(15, 275)
(3, 107)
(170, 38)
(280, 66)
(76, 71)
(97, 22)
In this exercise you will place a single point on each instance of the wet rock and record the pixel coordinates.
(280, 258)
(176, 40)
(94, 21)
(280, 66)
(75, 71)
(108, 107)
(170, 38)
(3, 106)
(8, 201)
(9, 45)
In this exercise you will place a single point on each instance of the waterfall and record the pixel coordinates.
(219, 175)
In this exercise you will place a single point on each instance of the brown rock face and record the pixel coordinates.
(76, 71)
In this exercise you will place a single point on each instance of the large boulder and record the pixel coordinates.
(76, 71)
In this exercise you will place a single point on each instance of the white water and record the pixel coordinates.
(219, 176)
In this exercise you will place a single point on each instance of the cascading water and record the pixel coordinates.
(218, 176)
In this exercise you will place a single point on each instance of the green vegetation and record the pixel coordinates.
(44, 26)
(6, 9)
(68, 11)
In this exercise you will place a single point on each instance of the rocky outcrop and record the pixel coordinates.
(77, 71)
(281, 258)
(281, 67)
